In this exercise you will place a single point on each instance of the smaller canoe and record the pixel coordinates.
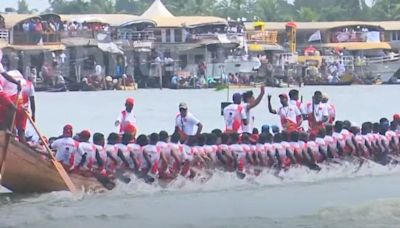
(27, 171)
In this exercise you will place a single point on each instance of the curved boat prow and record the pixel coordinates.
(26, 171)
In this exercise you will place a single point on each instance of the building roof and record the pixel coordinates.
(13, 19)
(157, 9)
(323, 25)
(359, 45)
(187, 21)
(114, 20)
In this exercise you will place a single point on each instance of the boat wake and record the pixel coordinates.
(223, 181)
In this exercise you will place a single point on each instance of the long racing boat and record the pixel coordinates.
(25, 170)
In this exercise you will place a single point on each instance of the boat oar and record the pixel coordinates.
(60, 169)
(9, 135)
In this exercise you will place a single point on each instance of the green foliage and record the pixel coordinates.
(23, 7)
(268, 10)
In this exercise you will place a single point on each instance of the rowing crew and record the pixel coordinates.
(163, 156)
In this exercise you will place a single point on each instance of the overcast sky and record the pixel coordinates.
(42, 5)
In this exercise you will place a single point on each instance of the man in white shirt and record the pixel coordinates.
(249, 103)
(186, 124)
(126, 118)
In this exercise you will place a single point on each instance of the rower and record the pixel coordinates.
(7, 107)
(249, 103)
(127, 116)
(85, 154)
(100, 154)
(65, 147)
(25, 99)
(290, 115)
(186, 124)
(235, 115)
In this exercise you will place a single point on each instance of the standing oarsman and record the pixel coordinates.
(127, 117)
(25, 100)
(249, 103)
(235, 115)
(7, 107)
(186, 124)
(290, 115)
(317, 114)
(331, 108)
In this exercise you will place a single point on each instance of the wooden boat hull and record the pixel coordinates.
(26, 171)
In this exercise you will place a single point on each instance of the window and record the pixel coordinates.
(168, 36)
(178, 35)
(157, 35)
(395, 35)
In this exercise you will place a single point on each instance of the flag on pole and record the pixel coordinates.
(316, 36)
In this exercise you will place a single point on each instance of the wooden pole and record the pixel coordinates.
(60, 169)
(9, 134)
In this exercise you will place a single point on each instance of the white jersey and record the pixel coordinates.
(299, 105)
(153, 153)
(126, 118)
(102, 154)
(112, 150)
(187, 124)
(65, 148)
(319, 111)
(188, 153)
(126, 153)
(250, 119)
(233, 115)
(87, 149)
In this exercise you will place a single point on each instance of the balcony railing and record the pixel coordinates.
(135, 35)
(340, 37)
(33, 38)
(4, 34)
(262, 36)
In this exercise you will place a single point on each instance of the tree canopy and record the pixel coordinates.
(267, 10)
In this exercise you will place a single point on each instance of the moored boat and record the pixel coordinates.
(25, 170)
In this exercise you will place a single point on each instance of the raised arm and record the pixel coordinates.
(270, 109)
(258, 99)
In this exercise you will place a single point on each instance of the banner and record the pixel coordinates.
(316, 36)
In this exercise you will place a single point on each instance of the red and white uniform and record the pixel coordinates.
(112, 150)
(281, 149)
(126, 118)
(330, 143)
(88, 149)
(298, 104)
(27, 91)
(188, 153)
(65, 150)
(126, 153)
(153, 154)
(297, 150)
(331, 112)
(239, 154)
(103, 157)
(233, 115)
(316, 113)
(4, 98)
(313, 146)
(289, 117)
(136, 151)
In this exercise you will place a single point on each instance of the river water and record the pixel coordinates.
(338, 196)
